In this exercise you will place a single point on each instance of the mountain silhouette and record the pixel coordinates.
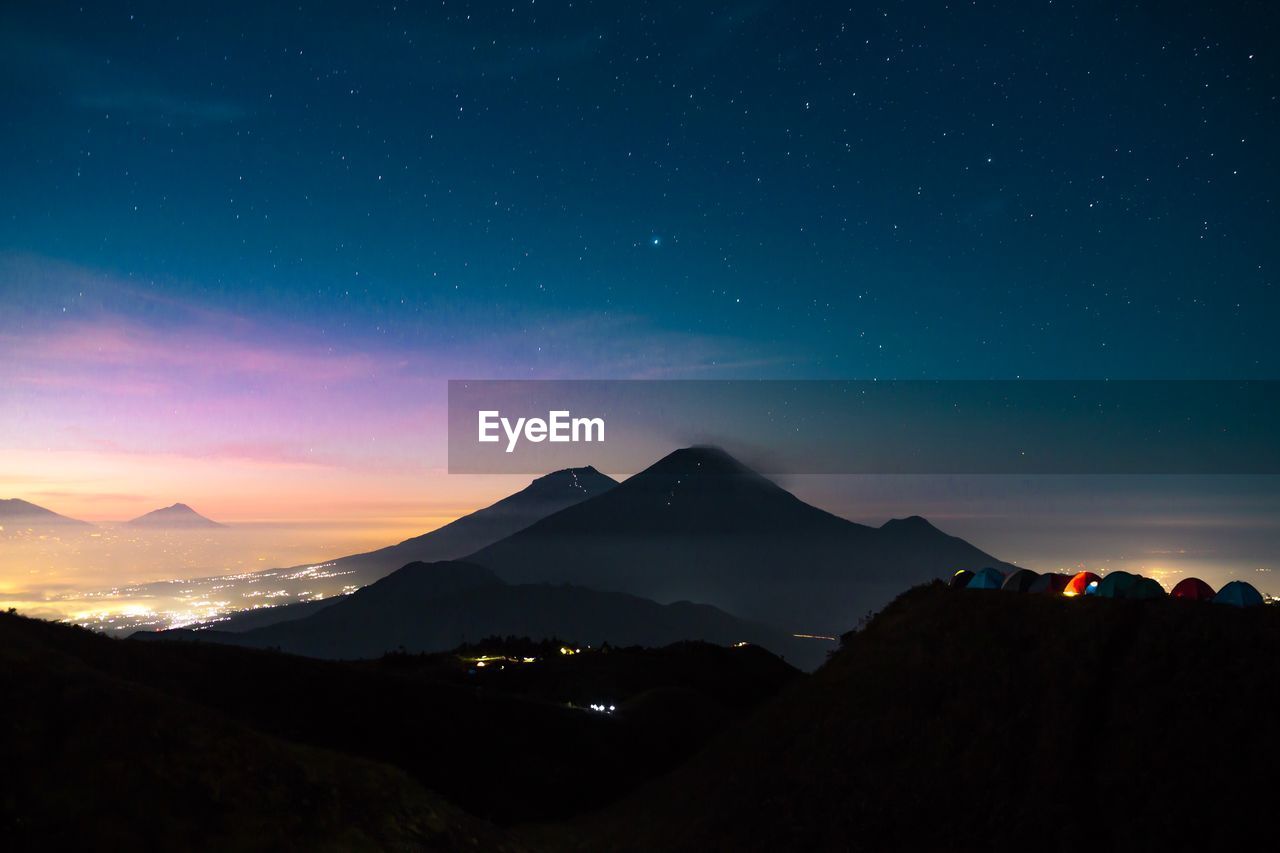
(699, 525)
(545, 495)
(427, 607)
(176, 516)
(17, 511)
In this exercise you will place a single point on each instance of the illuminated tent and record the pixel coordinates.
(1082, 583)
(1050, 582)
(961, 579)
(1145, 589)
(1020, 581)
(1193, 589)
(1238, 594)
(987, 578)
(1116, 584)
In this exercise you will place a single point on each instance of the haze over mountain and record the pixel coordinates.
(700, 526)
(17, 511)
(427, 607)
(178, 515)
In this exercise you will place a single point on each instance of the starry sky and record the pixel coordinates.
(242, 248)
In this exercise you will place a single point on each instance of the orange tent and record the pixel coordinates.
(1079, 584)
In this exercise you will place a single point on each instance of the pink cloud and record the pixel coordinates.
(115, 342)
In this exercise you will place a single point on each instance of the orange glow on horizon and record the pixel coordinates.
(105, 486)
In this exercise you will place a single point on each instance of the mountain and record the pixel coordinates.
(15, 511)
(544, 496)
(428, 607)
(980, 720)
(698, 525)
(179, 516)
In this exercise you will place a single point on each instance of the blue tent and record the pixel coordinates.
(1116, 584)
(1238, 594)
(987, 578)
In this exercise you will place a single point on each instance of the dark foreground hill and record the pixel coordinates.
(988, 720)
(95, 755)
(956, 719)
(200, 746)
(430, 607)
(700, 526)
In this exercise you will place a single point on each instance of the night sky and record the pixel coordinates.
(253, 240)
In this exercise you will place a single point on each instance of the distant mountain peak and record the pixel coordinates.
(175, 515)
(703, 454)
(585, 478)
(568, 483)
(910, 523)
(700, 459)
(18, 510)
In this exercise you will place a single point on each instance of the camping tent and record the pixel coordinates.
(1238, 594)
(961, 579)
(1144, 589)
(1116, 584)
(987, 578)
(1082, 583)
(1050, 582)
(1020, 581)
(1193, 589)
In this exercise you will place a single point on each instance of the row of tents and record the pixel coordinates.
(1112, 585)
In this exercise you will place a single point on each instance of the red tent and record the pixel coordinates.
(1079, 583)
(1193, 589)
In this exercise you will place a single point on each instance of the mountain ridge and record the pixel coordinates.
(429, 607)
